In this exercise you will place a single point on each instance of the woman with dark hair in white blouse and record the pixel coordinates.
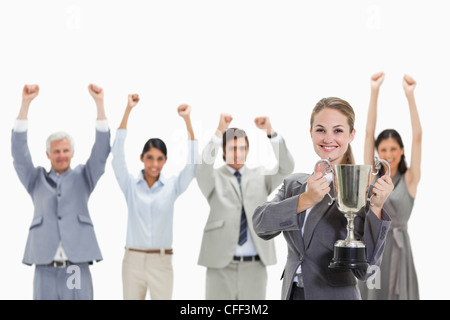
(147, 264)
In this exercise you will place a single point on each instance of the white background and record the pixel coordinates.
(247, 58)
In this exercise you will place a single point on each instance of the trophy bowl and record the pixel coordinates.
(351, 186)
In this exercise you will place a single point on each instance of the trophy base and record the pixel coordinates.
(349, 258)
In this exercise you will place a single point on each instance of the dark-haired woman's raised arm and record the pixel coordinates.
(369, 143)
(412, 174)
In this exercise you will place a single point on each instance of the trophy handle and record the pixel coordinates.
(377, 165)
(328, 169)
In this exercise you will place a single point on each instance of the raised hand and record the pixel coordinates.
(98, 95)
(376, 80)
(30, 91)
(184, 111)
(133, 100)
(224, 122)
(96, 92)
(409, 84)
(263, 123)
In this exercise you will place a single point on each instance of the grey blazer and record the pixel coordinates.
(60, 210)
(221, 189)
(324, 226)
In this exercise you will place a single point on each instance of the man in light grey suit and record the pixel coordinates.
(61, 241)
(235, 257)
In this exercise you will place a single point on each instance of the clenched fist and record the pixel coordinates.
(224, 122)
(376, 80)
(184, 111)
(30, 91)
(381, 190)
(318, 187)
(409, 84)
(263, 123)
(96, 92)
(133, 100)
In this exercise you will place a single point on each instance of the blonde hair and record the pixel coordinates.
(346, 109)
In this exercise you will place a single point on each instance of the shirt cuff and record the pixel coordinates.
(20, 125)
(121, 132)
(216, 139)
(192, 151)
(193, 144)
(102, 125)
(276, 139)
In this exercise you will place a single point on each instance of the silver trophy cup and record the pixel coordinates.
(351, 186)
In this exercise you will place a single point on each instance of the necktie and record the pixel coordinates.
(243, 228)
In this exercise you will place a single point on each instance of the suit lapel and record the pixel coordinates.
(244, 179)
(315, 215)
(49, 180)
(299, 188)
(233, 181)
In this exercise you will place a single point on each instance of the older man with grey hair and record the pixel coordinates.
(61, 240)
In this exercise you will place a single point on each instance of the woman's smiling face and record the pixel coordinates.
(154, 160)
(390, 150)
(330, 134)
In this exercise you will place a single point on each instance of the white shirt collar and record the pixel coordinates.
(232, 170)
(140, 178)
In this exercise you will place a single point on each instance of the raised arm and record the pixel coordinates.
(23, 163)
(264, 123)
(224, 123)
(118, 161)
(205, 169)
(188, 173)
(285, 160)
(369, 143)
(133, 100)
(30, 91)
(98, 95)
(185, 112)
(412, 175)
(95, 165)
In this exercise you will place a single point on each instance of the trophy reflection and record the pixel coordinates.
(351, 186)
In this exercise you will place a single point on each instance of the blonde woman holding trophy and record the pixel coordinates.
(311, 223)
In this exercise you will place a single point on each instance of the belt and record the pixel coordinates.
(246, 258)
(60, 264)
(161, 251)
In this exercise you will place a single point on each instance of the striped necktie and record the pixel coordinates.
(243, 228)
